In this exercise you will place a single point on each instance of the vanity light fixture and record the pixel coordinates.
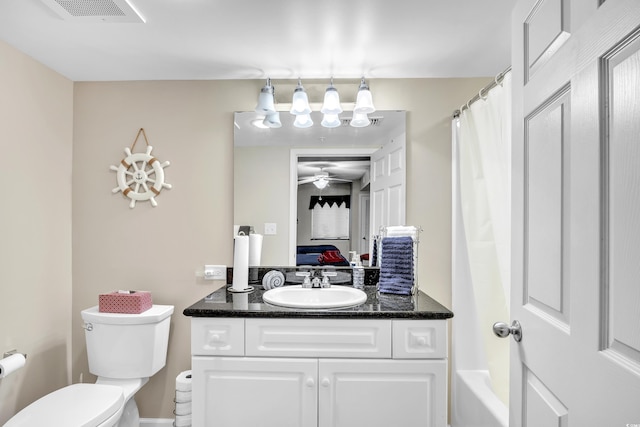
(300, 102)
(272, 119)
(359, 120)
(330, 121)
(364, 101)
(266, 99)
(303, 121)
(331, 103)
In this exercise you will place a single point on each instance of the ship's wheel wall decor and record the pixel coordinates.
(140, 176)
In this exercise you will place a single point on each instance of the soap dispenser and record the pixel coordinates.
(357, 271)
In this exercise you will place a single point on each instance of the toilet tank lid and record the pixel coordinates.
(155, 314)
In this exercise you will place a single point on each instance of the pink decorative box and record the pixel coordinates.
(133, 302)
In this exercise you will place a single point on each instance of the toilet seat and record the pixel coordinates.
(77, 405)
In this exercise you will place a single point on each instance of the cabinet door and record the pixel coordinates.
(242, 392)
(382, 393)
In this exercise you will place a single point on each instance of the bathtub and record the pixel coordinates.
(475, 404)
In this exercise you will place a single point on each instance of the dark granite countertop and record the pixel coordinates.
(223, 303)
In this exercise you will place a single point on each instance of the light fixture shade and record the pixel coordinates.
(265, 100)
(364, 100)
(300, 101)
(330, 121)
(272, 120)
(331, 104)
(321, 183)
(303, 121)
(359, 120)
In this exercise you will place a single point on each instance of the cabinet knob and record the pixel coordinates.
(325, 382)
(215, 338)
(422, 341)
(310, 382)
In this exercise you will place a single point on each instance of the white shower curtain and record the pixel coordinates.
(481, 218)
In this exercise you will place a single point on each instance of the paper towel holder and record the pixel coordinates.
(11, 353)
(240, 291)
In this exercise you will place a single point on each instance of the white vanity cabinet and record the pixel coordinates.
(291, 372)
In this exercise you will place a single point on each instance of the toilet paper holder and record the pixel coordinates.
(11, 353)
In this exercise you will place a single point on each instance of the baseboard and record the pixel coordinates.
(156, 422)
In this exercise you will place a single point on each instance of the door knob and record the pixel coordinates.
(503, 330)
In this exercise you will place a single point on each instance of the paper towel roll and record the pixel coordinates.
(11, 364)
(183, 381)
(255, 249)
(241, 301)
(241, 263)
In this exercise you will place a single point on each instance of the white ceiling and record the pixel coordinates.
(281, 39)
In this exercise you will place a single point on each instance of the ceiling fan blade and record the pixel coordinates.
(306, 180)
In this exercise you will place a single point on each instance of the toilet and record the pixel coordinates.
(124, 350)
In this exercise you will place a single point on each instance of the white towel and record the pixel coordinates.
(402, 231)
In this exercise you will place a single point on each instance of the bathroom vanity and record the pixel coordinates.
(382, 363)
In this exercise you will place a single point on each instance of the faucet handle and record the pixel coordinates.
(325, 278)
(306, 282)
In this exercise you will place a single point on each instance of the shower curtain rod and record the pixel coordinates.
(496, 81)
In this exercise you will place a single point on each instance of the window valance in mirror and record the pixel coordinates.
(331, 200)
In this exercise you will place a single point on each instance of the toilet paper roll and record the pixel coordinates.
(183, 421)
(240, 263)
(255, 249)
(183, 408)
(183, 396)
(183, 381)
(11, 364)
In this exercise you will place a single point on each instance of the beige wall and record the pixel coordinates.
(157, 249)
(258, 171)
(35, 227)
(191, 124)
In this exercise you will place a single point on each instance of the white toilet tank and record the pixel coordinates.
(127, 345)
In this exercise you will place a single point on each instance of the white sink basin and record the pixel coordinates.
(298, 297)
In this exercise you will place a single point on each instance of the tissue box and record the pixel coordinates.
(134, 302)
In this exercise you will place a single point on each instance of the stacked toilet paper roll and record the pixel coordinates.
(183, 400)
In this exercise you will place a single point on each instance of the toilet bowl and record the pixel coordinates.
(124, 350)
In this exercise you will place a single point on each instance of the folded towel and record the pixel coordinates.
(396, 265)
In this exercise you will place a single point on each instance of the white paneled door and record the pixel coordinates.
(576, 213)
(388, 185)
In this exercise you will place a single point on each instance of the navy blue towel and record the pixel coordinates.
(373, 262)
(396, 265)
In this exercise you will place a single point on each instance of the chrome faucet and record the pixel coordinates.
(316, 283)
(312, 281)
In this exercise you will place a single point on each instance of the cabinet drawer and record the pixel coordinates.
(419, 339)
(318, 338)
(217, 336)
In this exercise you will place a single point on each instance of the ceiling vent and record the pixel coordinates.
(95, 10)
(375, 121)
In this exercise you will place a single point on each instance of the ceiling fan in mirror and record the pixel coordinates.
(321, 179)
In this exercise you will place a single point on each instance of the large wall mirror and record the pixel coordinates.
(314, 189)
